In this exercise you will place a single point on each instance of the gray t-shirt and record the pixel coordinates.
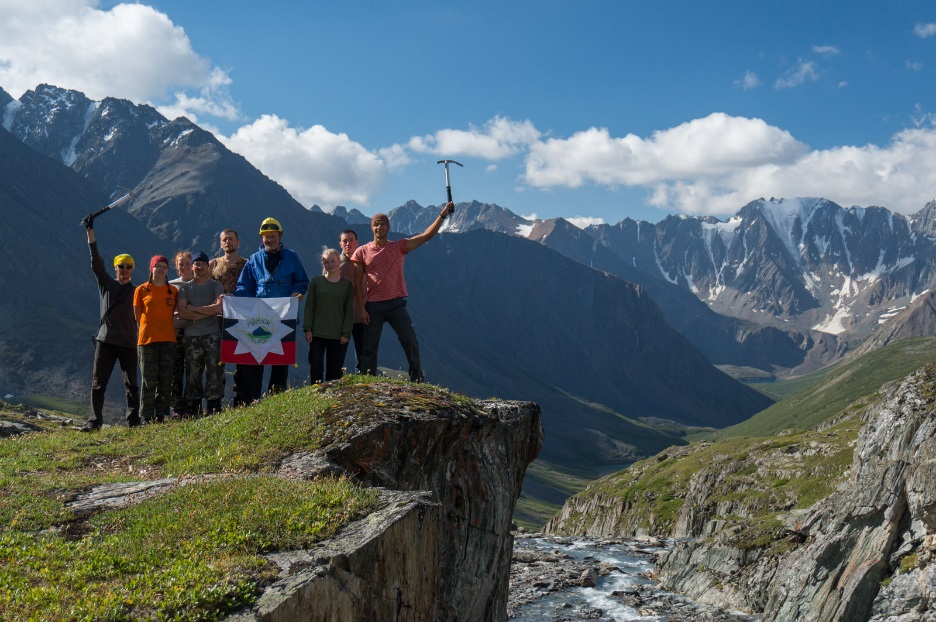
(201, 295)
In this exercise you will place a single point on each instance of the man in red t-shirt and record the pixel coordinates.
(379, 286)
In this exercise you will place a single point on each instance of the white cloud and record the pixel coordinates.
(900, 176)
(803, 71)
(828, 50)
(315, 165)
(921, 118)
(395, 157)
(716, 144)
(213, 100)
(716, 164)
(498, 139)
(583, 222)
(924, 30)
(749, 81)
(914, 65)
(131, 51)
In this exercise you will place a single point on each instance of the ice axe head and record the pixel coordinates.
(448, 184)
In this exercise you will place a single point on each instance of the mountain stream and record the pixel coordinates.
(556, 579)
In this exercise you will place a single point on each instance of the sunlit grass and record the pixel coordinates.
(192, 553)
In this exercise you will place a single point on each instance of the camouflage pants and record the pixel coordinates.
(202, 356)
(156, 370)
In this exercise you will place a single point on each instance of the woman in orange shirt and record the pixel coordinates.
(153, 305)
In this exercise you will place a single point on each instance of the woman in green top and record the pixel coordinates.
(328, 319)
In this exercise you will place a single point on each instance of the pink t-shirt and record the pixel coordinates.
(383, 270)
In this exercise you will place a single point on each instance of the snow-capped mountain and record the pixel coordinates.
(806, 264)
(412, 218)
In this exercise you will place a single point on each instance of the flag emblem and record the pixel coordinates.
(259, 331)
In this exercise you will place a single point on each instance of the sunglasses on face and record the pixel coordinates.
(125, 267)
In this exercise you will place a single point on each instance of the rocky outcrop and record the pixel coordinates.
(918, 319)
(439, 547)
(372, 571)
(879, 526)
(885, 514)
(472, 458)
(864, 551)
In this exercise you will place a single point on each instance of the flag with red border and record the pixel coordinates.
(259, 331)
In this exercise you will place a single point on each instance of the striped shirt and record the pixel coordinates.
(383, 270)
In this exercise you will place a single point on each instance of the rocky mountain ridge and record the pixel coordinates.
(829, 524)
(824, 275)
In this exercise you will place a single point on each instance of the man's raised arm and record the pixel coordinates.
(418, 240)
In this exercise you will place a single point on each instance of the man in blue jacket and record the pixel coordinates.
(274, 271)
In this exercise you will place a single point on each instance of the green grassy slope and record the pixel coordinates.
(757, 463)
(821, 395)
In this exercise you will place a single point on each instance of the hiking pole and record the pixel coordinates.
(120, 201)
(448, 184)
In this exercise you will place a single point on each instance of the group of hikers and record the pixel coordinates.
(172, 329)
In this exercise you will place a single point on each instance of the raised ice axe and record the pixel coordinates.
(114, 204)
(448, 184)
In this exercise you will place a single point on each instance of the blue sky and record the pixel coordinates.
(590, 110)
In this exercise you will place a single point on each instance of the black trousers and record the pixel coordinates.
(357, 336)
(326, 356)
(251, 381)
(107, 355)
(392, 312)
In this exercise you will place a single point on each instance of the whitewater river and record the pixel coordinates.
(623, 590)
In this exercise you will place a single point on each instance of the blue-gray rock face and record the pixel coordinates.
(865, 552)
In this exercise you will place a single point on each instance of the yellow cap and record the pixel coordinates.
(123, 259)
(270, 225)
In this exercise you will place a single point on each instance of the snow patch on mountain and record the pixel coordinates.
(726, 232)
(173, 141)
(9, 111)
(834, 323)
(666, 275)
(889, 313)
(782, 216)
(70, 155)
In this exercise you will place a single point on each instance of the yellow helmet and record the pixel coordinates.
(270, 225)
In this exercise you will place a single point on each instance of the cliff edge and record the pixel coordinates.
(471, 458)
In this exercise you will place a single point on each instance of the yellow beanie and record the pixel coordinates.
(123, 259)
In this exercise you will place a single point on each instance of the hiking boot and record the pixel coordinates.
(194, 409)
(214, 406)
(90, 427)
